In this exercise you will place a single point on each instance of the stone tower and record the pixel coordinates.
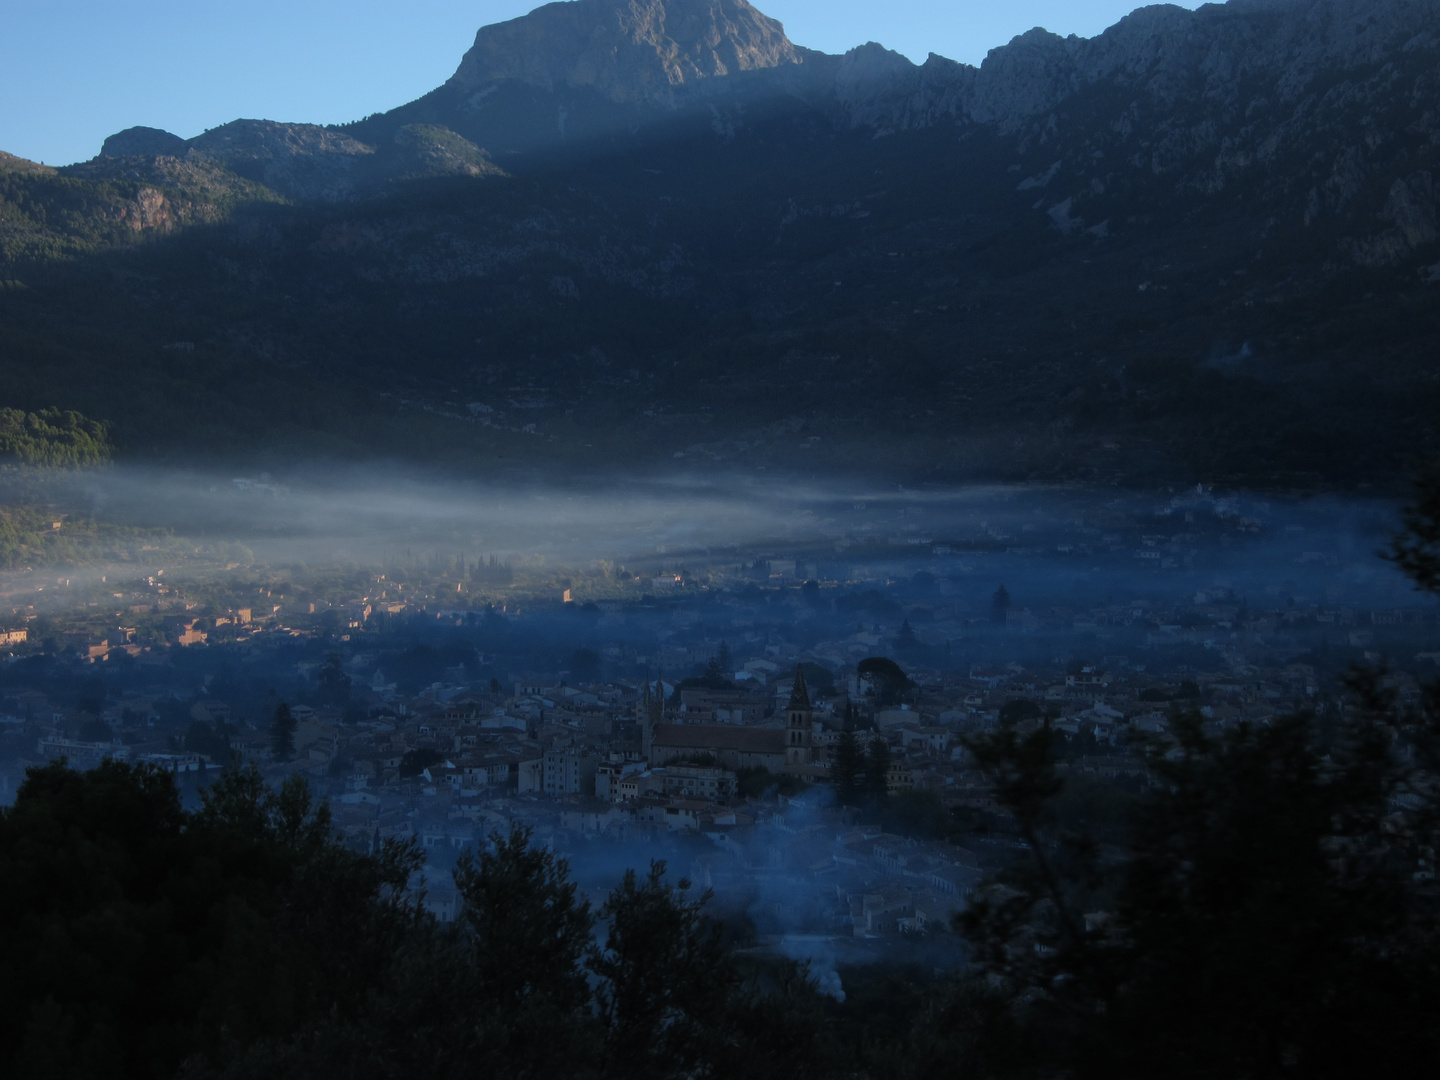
(652, 713)
(798, 714)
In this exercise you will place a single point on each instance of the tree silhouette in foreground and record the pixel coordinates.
(1274, 912)
(665, 979)
(139, 935)
(529, 981)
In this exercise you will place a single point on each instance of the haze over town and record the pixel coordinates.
(460, 656)
(657, 540)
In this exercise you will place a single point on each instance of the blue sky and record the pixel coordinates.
(74, 71)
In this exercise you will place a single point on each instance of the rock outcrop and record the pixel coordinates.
(428, 150)
(1313, 109)
(662, 51)
(1309, 109)
(303, 161)
(1166, 54)
(144, 142)
(1239, 82)
(629, 51)
(255, 160)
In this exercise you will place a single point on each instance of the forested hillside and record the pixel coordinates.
(1098, 260)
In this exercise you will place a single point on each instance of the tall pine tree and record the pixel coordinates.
(282, 733)
(877, 769)
(1000, 606)
(847, 768)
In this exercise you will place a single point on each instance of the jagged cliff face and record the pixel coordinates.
(1300, 107)
(1166, 53)
(629, 51)
(1224, 88)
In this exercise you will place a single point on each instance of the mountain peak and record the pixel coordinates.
(627, 50)
(144, 142)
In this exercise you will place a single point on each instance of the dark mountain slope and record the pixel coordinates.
(1201, 246)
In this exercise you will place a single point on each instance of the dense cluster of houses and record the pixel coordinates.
(736, 768)
(743, 770)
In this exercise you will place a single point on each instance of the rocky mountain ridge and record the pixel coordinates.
(306, 162)
(1167, 54)
(1203, 242)
(632, 63)
(630, 51)
(634, 53)
(12, 164)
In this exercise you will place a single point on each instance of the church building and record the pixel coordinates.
(778, 749)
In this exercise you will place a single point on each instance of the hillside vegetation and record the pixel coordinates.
(1105, 261)
(52, 438)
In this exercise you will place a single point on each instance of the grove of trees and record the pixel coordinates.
(52, 437)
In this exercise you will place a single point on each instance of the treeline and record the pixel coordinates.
(1273, 912)
(29, 538)
(158, 404)
(243, 940)
(53, 438)
(51, 217)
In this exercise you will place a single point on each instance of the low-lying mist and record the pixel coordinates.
(1157, 586)
(1067, 544)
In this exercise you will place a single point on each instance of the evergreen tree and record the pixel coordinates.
(1417, 549)
(140, 935)
(877, 769)
(887, 677)
(852, 716)
(1273, 912)
(332, 684)
(282, 733)
(906, 640)
(847, 767)
(527, 934)
(665, 980)
(52, 437)
(1000, 606)
(530, 930)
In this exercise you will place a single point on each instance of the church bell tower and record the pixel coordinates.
(798, 716)
(652, 713)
